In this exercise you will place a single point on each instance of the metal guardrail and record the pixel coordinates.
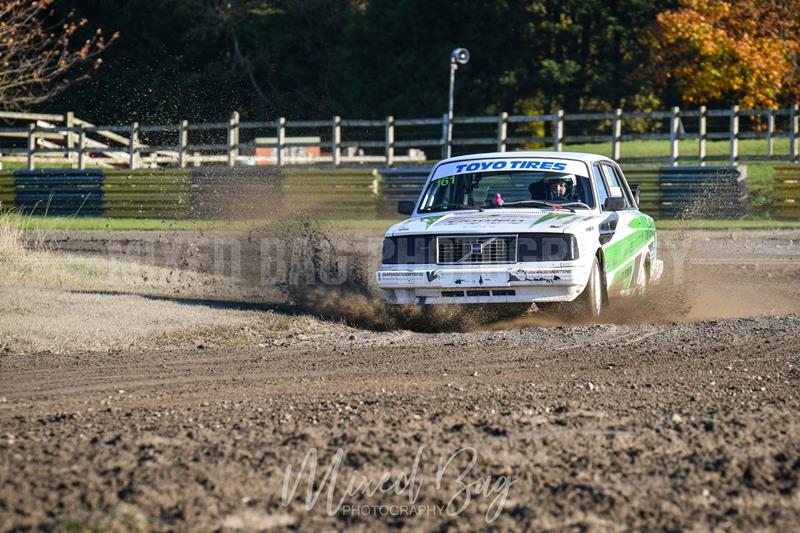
(665, 192)
(402, 183)
(787, 192)
(648, 179)
(342, 142)
(192, 193)
(703, 192)
(59, 192)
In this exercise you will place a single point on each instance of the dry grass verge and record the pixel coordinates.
(66, 303)
(11, 236)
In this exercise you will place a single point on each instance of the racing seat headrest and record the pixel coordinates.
(538, 190)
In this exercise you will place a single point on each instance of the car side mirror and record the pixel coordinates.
(614, 203)
(405, 207)
(635, 191)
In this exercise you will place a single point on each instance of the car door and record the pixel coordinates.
(627, 236)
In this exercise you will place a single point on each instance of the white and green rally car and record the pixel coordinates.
(521, 228)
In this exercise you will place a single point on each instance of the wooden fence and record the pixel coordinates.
(52, 139)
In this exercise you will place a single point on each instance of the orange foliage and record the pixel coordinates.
(740, 52)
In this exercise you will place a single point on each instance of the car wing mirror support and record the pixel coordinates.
(405, 207)
(635, 191)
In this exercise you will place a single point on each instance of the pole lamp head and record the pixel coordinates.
(459, 56)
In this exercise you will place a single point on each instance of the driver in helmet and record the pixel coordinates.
(557, 189)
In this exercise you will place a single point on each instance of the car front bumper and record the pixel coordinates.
(517, 283)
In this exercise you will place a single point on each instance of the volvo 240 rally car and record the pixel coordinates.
(521, 228)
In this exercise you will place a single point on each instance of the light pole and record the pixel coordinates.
(459, 56)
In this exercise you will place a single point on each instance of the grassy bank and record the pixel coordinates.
(688, 150)
(51, 223)
(61, 302)
(56, 223)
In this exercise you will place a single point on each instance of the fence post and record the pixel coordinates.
(183, 142)
(133, 146)
(502, 132)
(233, 138)
(558, 131)
(389, 141)
(446, 140)
(734, 150)
(281, 139)
(702, 134)
(31, 144)
(336, 144)
(674, 135)
(770, 132)
(69, 123)
(81, 148)
(794, 131)
(616, 135)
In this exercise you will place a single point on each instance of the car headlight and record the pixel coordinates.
(537, 247)
(414, 249)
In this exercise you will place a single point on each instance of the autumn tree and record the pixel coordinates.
(41, 54)
(736, 52)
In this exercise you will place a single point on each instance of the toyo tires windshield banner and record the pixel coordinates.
(510, 163)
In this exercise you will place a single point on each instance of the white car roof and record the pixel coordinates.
(575, 156)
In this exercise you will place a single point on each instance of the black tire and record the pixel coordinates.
(589, 305)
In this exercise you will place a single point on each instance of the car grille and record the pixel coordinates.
(476, 249)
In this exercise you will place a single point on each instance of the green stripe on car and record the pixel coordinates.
(617, 253)
(549, 216)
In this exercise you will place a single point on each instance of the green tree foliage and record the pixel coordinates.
(200, 59)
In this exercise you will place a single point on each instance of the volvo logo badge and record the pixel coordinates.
(477, 248)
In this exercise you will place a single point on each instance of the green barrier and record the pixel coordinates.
(7, 191)
(340, 193)
(205, 192)
(787, 192)
(58, 192)
(240, 193)
(247, 192)
(146, 194)
(647, 178)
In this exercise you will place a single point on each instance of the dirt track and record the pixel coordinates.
(672, 425)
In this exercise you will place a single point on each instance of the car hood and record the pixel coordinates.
(494, 221)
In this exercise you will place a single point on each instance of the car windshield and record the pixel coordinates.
(507, 190)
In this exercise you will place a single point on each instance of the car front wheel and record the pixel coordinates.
(589, 305)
